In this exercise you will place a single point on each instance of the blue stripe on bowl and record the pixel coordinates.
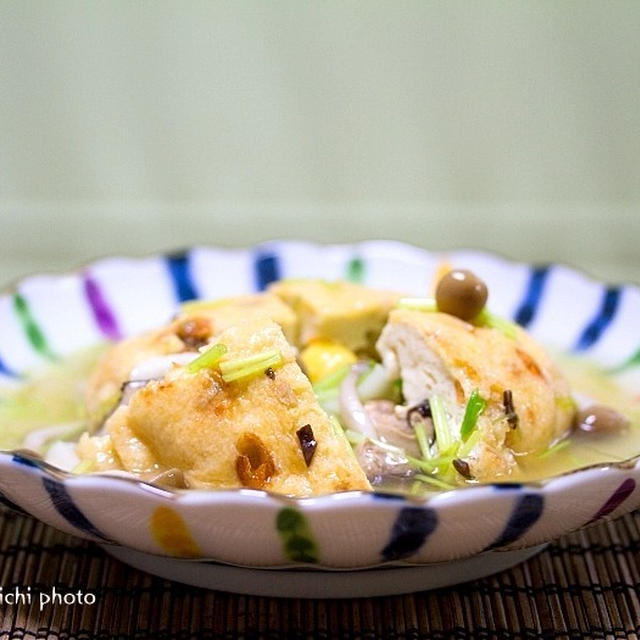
(26, 460)
(411, 528)
(266, 269)
(529, 306)
(381, 495)
(5, 371)
(525, 514)
(178, 265)
(64, 505)
(603, 318)
(10, 504)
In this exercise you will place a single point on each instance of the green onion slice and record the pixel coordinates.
(198, 305)
(430, 466)
(84, 466)
(466, 448)
(558, 446)
(227, 366)
(436, 482)
(273, 359)
(421, 437)
(354, 437)
(333, 380)
(417, 304)
(475, 406)
(492, 321)
(441, 425)
(208, 358)
(565, 403)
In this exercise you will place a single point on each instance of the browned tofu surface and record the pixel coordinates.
(347, 313)
(439, 353)
(241, 433)
(194, 327)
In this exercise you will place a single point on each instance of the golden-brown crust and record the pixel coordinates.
(485, 359)
(191, 329)
(344, 312)
(194, 422)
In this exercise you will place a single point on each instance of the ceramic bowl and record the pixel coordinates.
(273, 544)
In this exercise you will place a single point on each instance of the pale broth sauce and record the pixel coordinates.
(53, 396)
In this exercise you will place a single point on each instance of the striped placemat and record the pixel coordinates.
(585, 586)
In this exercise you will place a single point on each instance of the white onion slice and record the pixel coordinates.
(62, 455)
(40, 437)
(351, 409)
(129, 388)
(376, 384)
(158, 366)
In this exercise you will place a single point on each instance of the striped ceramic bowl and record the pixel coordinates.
(47, 316)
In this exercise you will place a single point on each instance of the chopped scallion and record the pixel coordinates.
(429, 466)
(466, 448)
(208, 358)
(200, 305)
(416, 485)
(256, 368)
(84, 466)
(436, 482)
(332, 380)
(475, 406)
(565, 403)
(559, 446)
(354, 437)
(227, 366)
(421, 437)
(396, 391)
(492, 321)
(441, 425)
(417, 304)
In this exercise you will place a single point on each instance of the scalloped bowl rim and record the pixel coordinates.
(213, 498)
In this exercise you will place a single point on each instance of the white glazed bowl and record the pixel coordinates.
(48, 316)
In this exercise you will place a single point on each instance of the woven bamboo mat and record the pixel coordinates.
(585, 586)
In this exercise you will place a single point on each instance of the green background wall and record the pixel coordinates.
(130, 127)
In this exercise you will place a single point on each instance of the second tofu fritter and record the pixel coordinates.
(436, 353)
(347, 313)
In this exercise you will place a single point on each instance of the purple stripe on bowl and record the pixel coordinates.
(616, 499)
(104, 317)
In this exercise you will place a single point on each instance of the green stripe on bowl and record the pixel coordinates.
(355, 270)
(630, 363)
(34, 334)
(297, 541)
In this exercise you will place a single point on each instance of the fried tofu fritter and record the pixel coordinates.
(240, 433)
(266, 430)
(346, 313)
(195, 326)
(436, 353)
